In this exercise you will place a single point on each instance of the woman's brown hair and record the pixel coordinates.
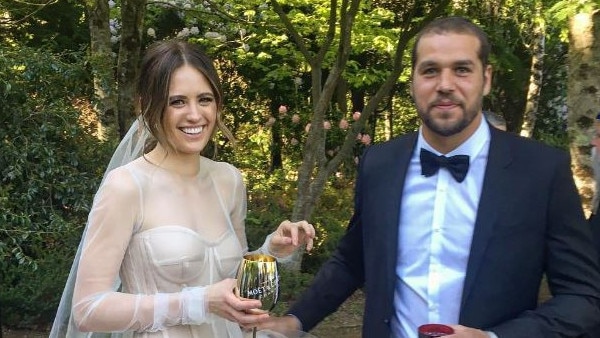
(158, 65)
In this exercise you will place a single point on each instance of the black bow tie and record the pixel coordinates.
(458, 165)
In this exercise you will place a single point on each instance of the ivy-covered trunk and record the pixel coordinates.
(538, 48)
(101, 60)
(132, 18)
(583, 101)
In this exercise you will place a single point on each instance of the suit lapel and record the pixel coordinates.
(389, 201)
(497, 176)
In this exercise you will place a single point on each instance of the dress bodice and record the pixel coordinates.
(169, 258)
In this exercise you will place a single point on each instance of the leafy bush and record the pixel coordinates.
(50, 166)
(49, 169)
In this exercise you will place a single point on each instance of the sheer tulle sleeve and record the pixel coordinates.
(115, 215)
(238, 210)
(238, 207)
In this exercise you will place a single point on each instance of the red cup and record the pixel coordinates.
(434, 330)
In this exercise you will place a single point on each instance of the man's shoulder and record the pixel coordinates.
(404, 140)
(528, 145)
(389, 153)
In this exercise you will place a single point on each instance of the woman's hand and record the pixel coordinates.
(291, 235)
(222, 301)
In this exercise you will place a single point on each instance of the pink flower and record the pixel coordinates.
(307, 128)
(326, 125)
(270, 122)
(282, 110)
(295, 118)
(344, 124)
(366, 139)
(356, 115)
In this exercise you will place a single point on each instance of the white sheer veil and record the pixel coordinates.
(130, 148)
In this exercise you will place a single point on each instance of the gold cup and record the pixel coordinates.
(257, 278)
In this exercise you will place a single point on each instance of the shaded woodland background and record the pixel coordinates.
(309, 84)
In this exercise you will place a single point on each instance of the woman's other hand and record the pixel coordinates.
(291, 235)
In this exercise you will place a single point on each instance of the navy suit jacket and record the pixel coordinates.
(529, 223)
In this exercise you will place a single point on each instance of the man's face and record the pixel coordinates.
(449, 83)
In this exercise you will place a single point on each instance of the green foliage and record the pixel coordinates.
(271, 199)
(562, 10)
(49, 165)
(291, 283)
(29, 297)
(56, 25)
(270, 202)
(330, 219)
(49, 169)
(551, 124)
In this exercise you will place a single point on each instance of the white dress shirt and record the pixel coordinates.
(434, 238)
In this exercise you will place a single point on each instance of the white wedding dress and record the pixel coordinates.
(161, 232)
(152, 235)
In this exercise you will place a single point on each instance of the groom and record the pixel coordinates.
(459, 222)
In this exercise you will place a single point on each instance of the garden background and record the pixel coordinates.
(308, 83)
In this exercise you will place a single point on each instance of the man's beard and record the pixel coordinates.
(453, 129)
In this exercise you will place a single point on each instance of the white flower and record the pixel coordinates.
(111, 4)
(194, 30)
(114, 39)
(184, 32)
(270, 122)
(212, 35)
(298, 81)
(151, 32)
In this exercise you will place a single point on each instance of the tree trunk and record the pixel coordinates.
(315, 170)
(102, 64)
(132, 20)
(583, 101)
(538, 45)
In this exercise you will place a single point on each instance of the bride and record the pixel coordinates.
(166, 233)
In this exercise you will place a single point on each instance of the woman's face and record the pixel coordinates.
(191, 112)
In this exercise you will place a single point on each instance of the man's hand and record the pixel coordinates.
(467, 332)
(281, 324)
